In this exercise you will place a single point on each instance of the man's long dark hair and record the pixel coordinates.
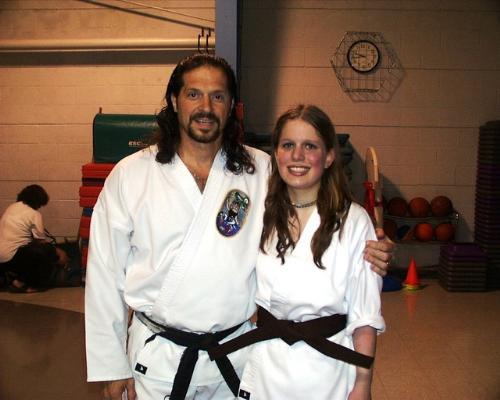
(334, 196)
(167, 137)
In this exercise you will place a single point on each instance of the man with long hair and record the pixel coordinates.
(161, 247)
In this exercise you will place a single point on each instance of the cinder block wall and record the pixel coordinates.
(426, 135)
(48, 100)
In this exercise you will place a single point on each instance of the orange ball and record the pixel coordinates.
(441, 206)
(419, 207)
(445, 232)
(397, 206)
(424, 231)
(390, 228)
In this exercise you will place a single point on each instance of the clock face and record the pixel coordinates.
(363, 56)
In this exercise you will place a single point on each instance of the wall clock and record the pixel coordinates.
(363, 56)
(367, 67)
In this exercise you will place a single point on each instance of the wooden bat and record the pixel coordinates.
(374, 182)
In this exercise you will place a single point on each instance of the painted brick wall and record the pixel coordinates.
(426, 135)
(48, 101)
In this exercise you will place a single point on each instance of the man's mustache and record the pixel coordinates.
(206, 115)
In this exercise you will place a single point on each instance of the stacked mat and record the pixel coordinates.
(114, 136)
(93, 177)
(462, 267)
(487, 200)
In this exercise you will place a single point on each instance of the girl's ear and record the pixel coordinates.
(330, 157)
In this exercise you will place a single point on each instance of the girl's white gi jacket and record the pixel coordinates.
(300, 291)
(156, 246)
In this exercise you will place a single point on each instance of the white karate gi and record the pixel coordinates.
(300, 291)
(155, 247)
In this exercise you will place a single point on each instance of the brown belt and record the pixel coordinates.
(314, 332)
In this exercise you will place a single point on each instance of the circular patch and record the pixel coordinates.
(232, 213)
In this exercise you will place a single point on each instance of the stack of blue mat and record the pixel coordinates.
(462, 268)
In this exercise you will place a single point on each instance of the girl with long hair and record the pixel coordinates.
(319, 301)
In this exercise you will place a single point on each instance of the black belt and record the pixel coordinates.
(314, 332)
(193, 343)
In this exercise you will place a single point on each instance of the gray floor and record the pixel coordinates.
(438, 345)
(42, 354)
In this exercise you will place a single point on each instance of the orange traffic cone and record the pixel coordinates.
(412, 282)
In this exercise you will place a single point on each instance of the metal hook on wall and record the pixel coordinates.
(206, 40)
(199, 37)
(207, 37)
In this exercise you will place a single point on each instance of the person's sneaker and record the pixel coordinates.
(16, 286)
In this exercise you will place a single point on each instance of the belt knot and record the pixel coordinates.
(287, 331)
(193, 343)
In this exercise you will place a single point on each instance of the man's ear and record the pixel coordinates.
(173, 99)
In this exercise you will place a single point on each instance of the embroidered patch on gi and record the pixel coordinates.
(141, 368)
(244, 394)
(232, 213)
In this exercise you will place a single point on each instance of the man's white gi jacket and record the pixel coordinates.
(184, 258)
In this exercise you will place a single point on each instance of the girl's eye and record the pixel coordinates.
(287, 145)
(310, 146)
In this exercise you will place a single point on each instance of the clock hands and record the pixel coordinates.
(358, 55)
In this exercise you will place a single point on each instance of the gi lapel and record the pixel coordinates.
(205, 209)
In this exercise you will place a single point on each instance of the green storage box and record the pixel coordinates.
(118, 135)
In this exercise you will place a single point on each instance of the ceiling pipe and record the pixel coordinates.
(46, 45)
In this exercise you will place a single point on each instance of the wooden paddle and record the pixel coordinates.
(374, 182)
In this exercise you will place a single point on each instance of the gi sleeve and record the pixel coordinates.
(364, 285)
(105, 309)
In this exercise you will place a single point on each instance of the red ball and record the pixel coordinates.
(397, 206)
(441, 206)
(419, 207)
(424, 231)
(390, 228)
(445, 232)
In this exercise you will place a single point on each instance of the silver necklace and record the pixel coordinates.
(303, 205)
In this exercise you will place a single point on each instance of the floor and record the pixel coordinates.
(438, 345)
(42, 348)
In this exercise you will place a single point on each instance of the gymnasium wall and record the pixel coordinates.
(48, 100)
(426, 134)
